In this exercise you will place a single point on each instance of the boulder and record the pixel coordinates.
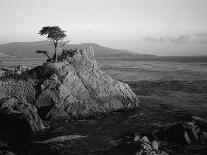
(193, 132)
(75, 87)
(179, 133)
(145, 147)
(19, 115)
(6, 153)
(202, 123)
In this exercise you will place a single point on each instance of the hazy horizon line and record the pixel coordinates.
(108, 47)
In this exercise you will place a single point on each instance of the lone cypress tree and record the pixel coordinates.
(55, 34)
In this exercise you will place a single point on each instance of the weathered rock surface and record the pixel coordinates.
(19, 115)
(6, 153)
(60, 139)
(145, 147)
(80, 89)
(193, 132)
(74, 87)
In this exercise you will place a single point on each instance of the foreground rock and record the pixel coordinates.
(18, 122)
(61, 139)
(6, 153)
(193, 132)
(74, 87)
(145, 147)
(78, 89)
(20, 115)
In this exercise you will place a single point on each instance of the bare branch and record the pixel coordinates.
(43, 52)
(63, 44)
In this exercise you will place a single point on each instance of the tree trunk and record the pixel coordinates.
(55, 54)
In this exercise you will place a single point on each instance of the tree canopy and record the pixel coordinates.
(54, 33)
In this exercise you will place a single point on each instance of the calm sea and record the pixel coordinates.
(136, 69)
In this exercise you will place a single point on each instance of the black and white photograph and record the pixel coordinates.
(103, 77)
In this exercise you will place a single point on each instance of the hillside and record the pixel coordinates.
(27, 49)
(2, 55)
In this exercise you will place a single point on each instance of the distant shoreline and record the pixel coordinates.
(157, 58)
(184, 59)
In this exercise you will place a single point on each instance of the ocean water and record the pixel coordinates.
(139, 69)
(155, 70)
(162, 103)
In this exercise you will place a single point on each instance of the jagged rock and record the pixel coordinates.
(145, 147)
(155, 145)
(202, 123)
(72, 87)
(3, 144)
(6, 153)
(61, 139)
(19, 114)
(177, 133)
(193, 132)
(80, 89)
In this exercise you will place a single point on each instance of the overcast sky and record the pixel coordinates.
(162, 27)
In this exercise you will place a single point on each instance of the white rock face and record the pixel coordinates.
(80, 89)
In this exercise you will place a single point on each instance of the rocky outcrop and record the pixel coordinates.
(145, 147)
(193, 132)
(80, 89)
(61, 139)
(74, 87)
(19, 115)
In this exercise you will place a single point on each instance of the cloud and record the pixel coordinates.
(201, 34)
(200, 38)
(154, 39)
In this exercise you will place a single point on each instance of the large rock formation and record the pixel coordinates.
(80, 89)
(74, 87)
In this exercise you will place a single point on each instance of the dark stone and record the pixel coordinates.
(185, 133)
(174, 134)
(19, 121)
(202, 123)
(19, 115)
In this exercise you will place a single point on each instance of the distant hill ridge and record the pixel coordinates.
(27, 49)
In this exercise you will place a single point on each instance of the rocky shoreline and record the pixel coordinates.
(72, 88)
(112, 125)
